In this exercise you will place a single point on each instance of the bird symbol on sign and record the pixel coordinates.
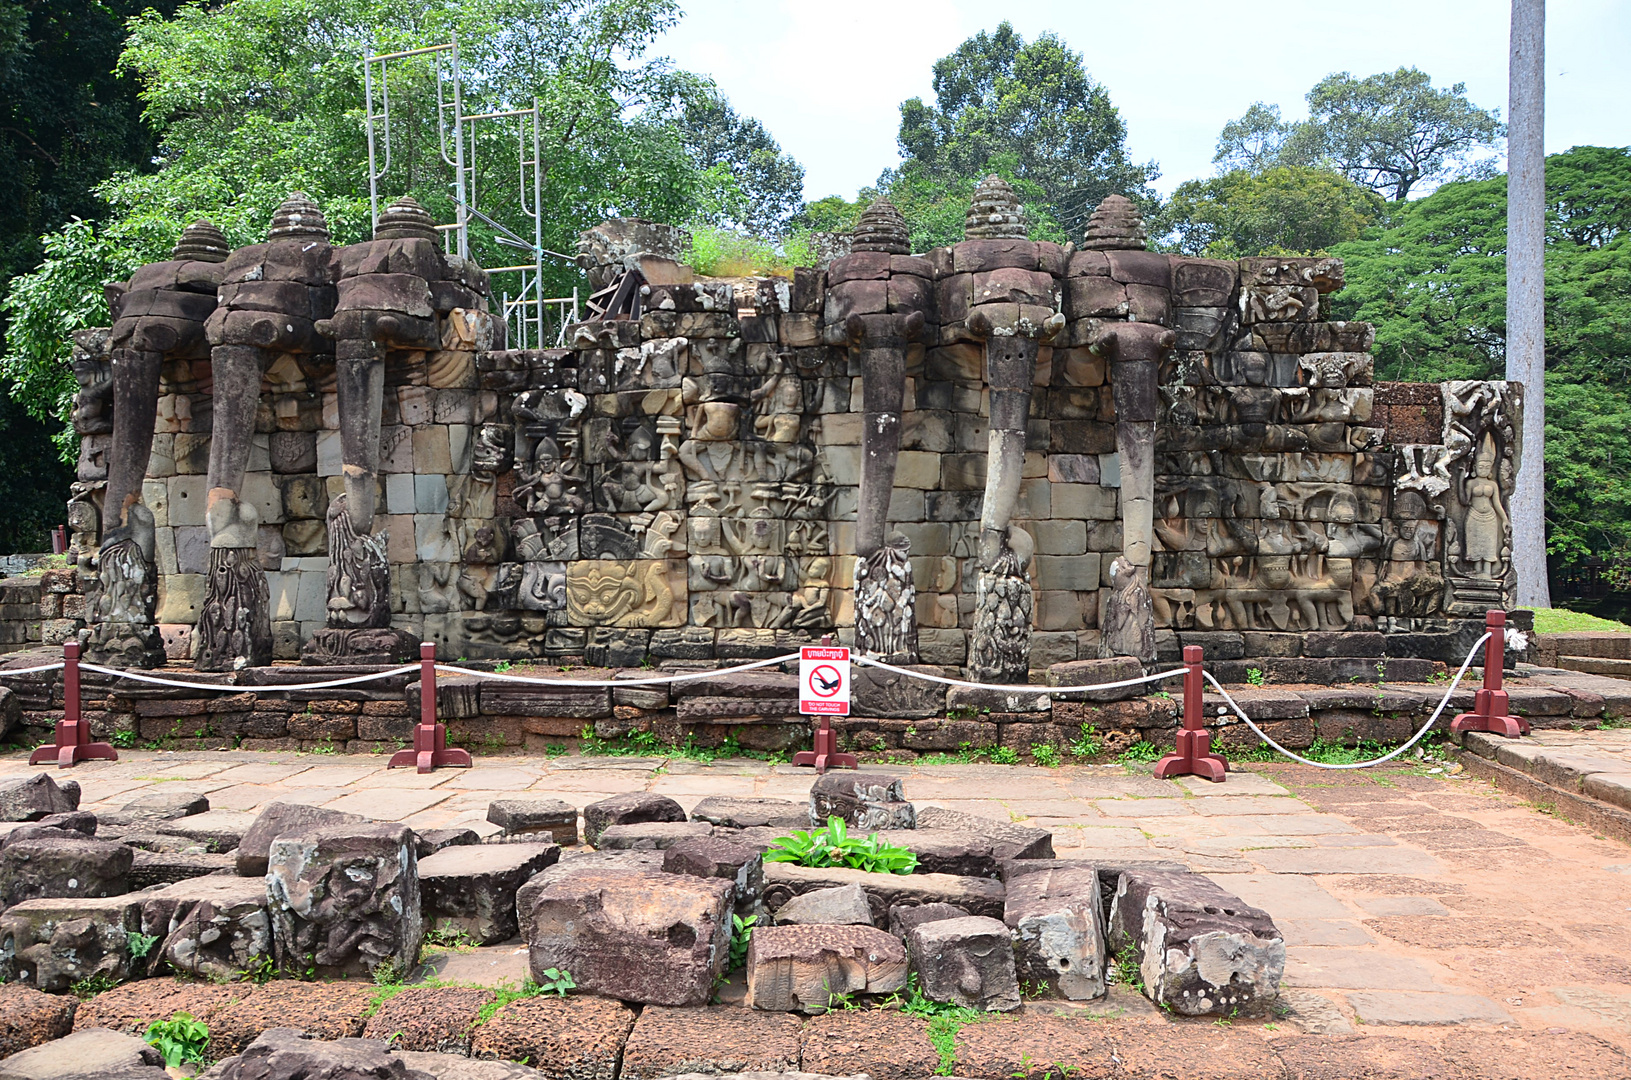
(826, 684)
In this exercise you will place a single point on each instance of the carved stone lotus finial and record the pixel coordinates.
(405, 219)
(202, 242)
(1115, 226)
(298, 219)
(995, 213)
(882, 228)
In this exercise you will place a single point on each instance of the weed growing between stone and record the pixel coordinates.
(444, 935)
(834, 846)
(741, 938)
(1142, 750)
(180, 1040)
(503, 995)
(650, 744)
(557, 981)
(91, 985)
(1087, 744)
(1045, 755)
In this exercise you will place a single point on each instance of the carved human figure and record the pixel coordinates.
(1483, 535)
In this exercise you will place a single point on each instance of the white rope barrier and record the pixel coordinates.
(58, 666)
(1431, 720)
(1027, 688)
(583, 683)
(405, 669)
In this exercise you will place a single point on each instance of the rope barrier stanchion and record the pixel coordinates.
(73, 742)
(1193, 755)
(430, 750)
(1490, 710)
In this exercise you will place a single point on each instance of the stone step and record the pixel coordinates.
(1591, 789)
(1597, 665)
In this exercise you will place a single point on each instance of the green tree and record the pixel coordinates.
(770, 182)
(1031, 106)
(1282, 210)
(257, 98)
(1392, 132)
(1433, 282)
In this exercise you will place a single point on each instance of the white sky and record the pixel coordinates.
(826, 77)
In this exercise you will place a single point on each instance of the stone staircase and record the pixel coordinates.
(1597, 652)
(1583, 776)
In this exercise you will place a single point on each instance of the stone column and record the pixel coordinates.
(1014, 310)
(271, 294)
(886, 305)
(159, 314)
(383, 303)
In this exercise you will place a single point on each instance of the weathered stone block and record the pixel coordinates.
(627, 809)
(1058, 923)
(741, 864)
(52, 944)
(573, 1038)
(651, 835)
(30, 798)
(841, 905)
(215, 830)
(345, 899)
(436, 1020)
(801, 968)
(545, 817)
(648, 937)
(34, 869)
(472, 887)
(1200, 949)
(1088, 672)
(864, 800)
(578, 862)
(738, 812)
(967, 961)
(283, 819)
(874, 692)
(716, 1041)
(29, 1018)
(980, 896)
(215, 927)
(90, 1054)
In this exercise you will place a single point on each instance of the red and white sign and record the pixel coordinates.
(823, 680)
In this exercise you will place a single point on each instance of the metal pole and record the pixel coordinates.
(1491, 709)
(461, 210)
(1526, 290)
(373, 179)
(1193, 756)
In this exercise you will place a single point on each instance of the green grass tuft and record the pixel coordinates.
(1562, 620)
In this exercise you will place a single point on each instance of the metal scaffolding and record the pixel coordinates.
(527, 313)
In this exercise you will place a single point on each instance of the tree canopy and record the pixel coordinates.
(1433, 282)
(1027, 109)
(1392, 132)
(1284, 210)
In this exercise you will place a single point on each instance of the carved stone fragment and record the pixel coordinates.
(345, 900)
(801, 968)
(968, 962)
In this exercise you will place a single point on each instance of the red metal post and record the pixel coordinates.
(73, 742)
(825, 754)
(1193, 755)
(430, 749)
(1490, 711)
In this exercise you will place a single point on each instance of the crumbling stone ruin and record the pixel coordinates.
(994, 456)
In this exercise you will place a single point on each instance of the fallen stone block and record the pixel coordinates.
(472, 888)
(841, 905)
(714, 1040)
(1033, 1045)
(573, 863)
(1058, 924)
(651, 835)
(1008, 839)
(431, 841)
(30, 798)
(217, 830)
(217, 927)
(458, 1067)
(345, 900)
(969, 962)
(29, 1017)
(52, 944)
(283, 819)
(32, 869)
(1200, 949)
(282, 1052)
(158, 806)
(129, 1008)
(655, 938)
(554, 817)
(575, 1038)
(904, 918)
(866, 801)
(737, 812)
(149, 868)
(438, 1019)
(883, 1044)
(979, 896)
(331, 1010)
(73, 825)
(91, 1054)
(629, 809)
(802, 968)
(714, 857)
(947, 851)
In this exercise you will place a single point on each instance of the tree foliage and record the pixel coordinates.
(1031, 107)
(1392, 132)
(770, 183)
(1284, 210)
(1434, 284)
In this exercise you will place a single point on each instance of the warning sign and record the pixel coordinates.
(823, 680)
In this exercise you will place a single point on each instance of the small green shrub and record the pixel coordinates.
(91, 985)
(140, 944)
(180, 1040)
(1255, 676)
(1087, 744)
(1142, 750)
(741, 938)
(834, 846)
(1004, 755)
(1045, 755)
(557, 981)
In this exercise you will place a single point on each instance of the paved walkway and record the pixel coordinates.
(1405, 897)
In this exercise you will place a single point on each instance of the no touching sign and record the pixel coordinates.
(823, 680)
